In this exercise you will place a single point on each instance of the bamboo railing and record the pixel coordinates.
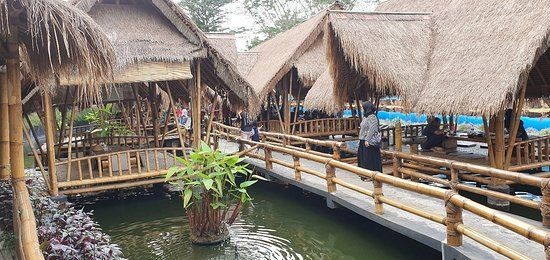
(118, 169)
(455, 203)
(24, 223)
(531, 154)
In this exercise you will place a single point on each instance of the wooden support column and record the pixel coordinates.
(4, 130)
(269, 110)
(398, 137)
(196, 106)
(15, 111)
(499, 150)
(178, 126)
(454, 218)
(286, 102)
(514, 125)
(50, 142)
(490, 150)
(211, 120)
(154, 113)
(297, 109)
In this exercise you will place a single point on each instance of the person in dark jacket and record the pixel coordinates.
(368, 154)
(522, 134)
(435, 136)
(246, 127)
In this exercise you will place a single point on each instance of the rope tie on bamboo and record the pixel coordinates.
(4, 166)
(545, 204)
(454, 215)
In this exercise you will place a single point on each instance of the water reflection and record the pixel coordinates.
(280, 225)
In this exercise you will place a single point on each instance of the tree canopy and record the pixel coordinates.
(207, 14)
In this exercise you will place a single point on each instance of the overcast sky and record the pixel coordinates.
(238, 17)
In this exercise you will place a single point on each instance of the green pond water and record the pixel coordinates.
(283, 223)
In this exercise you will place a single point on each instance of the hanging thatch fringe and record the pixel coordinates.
(312, 63)
(320, 96)
(57, 40)
(389, 50)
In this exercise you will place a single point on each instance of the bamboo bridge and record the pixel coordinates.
(438, 217)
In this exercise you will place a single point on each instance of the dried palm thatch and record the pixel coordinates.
(320, 96)
(246, 61)
(225, 43)
(483, 52)
(312, 63)
(175, 17)
(412, 5)
(389, 50)
(277, 55)
(58, 40)
(138, 34)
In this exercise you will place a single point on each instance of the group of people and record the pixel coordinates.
(183, 116)
(249, 129)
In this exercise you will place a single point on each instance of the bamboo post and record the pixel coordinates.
(496, 183)
(268, 156)
(490, 150)
(196, 106)
(514, 125)
(70, 143)
(5, 129)
(178, 126)
(297, 108)
(297, 173)
(210, 120)
(396, 165)
(50, 150)
(154, 113)
(454, 179)
(454, 217)
(286, 103)
(398, 137)
(331, 171)
(34, 135)
(378, 206)
(545, 203)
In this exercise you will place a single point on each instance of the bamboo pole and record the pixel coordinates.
(70, 143)
(210, 121)
(286, 103)
(50, 150)
(154, 113)
(5, 129)
(514, 125)
(36, 157)
(63, 118)
(297, 108)
(283, 129)
(490, 150)
(178, 126)
(165, 129)
(196, 106)
(34, 135)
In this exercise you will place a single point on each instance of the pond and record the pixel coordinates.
(284, 223)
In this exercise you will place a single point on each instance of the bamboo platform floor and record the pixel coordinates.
(62, 170)
(429, 233)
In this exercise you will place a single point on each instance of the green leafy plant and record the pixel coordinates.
(103, 118)
(211, 194)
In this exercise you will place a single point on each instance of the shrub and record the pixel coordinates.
(211, 195)
(63, 231)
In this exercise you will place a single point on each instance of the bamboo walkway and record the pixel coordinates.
(429, 233)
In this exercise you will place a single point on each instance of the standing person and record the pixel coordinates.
(246, 127)
(368, 154)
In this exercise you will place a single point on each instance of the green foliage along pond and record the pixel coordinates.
(283, 223)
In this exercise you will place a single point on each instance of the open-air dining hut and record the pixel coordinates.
(163, 61)
(287, 65)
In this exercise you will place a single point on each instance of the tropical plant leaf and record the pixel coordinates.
(208, 183)
(187, 197)
(247, 184)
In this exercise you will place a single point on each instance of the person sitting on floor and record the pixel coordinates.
(522, 134)
(435, 136)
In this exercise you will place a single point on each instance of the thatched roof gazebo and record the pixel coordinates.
(50, 39)
(377, 53)
(495, 60)
(288, 63)
(319, 97)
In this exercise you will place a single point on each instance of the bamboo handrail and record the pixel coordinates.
(519, 227)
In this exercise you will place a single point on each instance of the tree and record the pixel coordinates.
(275, 16)
(207, 14)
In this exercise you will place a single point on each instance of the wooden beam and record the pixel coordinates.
(180, 134)
(499, 140)
(4, 130)
(490, 149)
(196, 106)
(50, 143)
(35, 136)
(210, 120)
(154, 113)
(286, 99)
(514, 125)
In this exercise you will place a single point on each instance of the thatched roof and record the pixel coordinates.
(412, 5)
(215, 62)
(139, 34)
(320, 96)
(245, 61)
(277, 55)
(313, 62)
(389, 50)
(57, 39)
(225, 43)
(482, 53)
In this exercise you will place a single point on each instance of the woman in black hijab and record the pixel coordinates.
(368, 154)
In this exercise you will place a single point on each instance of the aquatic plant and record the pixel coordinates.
(64, 232)
(211, 194)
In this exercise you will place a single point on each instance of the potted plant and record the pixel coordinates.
(211, 194)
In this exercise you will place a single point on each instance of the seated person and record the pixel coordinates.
(522, 134)
(435, 136)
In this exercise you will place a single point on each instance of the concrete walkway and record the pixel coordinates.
(424, 231)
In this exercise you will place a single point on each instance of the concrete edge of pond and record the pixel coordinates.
(395, 222)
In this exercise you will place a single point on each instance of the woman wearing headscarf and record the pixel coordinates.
(368, 154)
